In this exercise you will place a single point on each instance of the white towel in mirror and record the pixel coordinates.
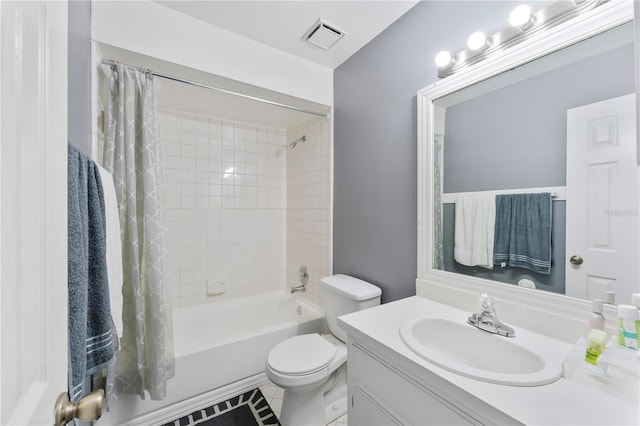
(474, 230)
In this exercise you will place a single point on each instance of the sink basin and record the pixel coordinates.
(529, 359)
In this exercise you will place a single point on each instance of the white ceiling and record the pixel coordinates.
(278, 24)
(282, 24)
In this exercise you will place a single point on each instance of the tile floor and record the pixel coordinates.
(274, 395)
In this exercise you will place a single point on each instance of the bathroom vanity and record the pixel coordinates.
(390, 384)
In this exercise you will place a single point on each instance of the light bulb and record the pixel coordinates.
(477, 41)
(520, 17)
(443, 59)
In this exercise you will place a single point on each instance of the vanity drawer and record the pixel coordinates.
(366, 411)
(377, 389)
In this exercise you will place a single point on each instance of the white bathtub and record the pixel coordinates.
(221, 349)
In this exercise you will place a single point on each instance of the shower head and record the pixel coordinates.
(297, 141)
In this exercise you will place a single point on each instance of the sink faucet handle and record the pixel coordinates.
(486, 302)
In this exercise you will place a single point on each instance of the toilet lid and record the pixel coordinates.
(304, 354)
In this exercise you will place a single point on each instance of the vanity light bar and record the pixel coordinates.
(523, 23)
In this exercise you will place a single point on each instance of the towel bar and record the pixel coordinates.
(558, 193)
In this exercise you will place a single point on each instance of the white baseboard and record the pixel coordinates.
(183, 408)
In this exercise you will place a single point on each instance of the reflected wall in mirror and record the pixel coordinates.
(509, 133)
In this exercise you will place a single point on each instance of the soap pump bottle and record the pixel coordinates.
(628, 326)
(596, 320)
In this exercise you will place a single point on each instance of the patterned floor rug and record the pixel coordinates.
(248, 409)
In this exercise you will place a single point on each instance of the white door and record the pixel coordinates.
(602, 200)
(33, 214)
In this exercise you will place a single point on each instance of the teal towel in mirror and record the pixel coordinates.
(523, 231)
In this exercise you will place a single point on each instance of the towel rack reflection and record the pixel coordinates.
(558, 193)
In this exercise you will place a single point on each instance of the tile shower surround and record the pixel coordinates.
(226, 186)
(308, 205)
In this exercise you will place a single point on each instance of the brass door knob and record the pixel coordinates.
(88, 408)
(576, 260)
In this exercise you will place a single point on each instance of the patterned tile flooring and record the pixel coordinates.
(274, 395)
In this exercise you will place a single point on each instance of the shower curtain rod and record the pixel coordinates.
(111, 62)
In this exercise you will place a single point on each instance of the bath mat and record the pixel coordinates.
(248, 409)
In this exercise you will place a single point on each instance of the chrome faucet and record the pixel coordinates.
(487, 320)
(296, 289)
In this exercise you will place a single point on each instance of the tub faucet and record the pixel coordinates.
(487, 320)
(296, 289)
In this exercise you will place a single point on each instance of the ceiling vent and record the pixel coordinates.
(323, 35)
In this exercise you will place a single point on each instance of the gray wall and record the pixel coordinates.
(375, 211)
(79, 88)
(515, 137)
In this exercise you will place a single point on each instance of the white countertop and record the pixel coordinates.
(564, 402)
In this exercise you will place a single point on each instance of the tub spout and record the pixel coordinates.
(298, 288)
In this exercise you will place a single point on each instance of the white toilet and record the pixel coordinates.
(312, 368)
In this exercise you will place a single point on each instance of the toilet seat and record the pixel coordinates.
(301, 355)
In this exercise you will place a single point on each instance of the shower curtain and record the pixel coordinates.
(145, 360)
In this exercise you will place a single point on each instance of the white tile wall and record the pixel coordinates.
(309, 205)
(226, 206)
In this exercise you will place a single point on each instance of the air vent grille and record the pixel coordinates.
(323, 35)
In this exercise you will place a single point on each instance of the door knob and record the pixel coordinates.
(576, 260)
(88, 408)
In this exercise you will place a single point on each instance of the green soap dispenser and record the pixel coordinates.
(595, 346)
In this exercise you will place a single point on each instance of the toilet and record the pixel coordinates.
(312, 368)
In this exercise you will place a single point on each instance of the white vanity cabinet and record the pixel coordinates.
(383, 394)
(388, 384)
(385, 389)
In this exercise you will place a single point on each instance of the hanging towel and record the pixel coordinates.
(114, 251)
(89, 316)
(474, 228)
(523, 231)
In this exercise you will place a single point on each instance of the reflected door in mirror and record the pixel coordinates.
(602, 200)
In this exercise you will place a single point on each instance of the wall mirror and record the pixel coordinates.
(539, 117)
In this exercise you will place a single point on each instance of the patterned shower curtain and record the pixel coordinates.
(145, 360)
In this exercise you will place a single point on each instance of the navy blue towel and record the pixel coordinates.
(90, 326)
(522, 237)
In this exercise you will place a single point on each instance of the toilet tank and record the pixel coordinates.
(343, 294)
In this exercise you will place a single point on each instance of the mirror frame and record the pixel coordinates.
(447, 286)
